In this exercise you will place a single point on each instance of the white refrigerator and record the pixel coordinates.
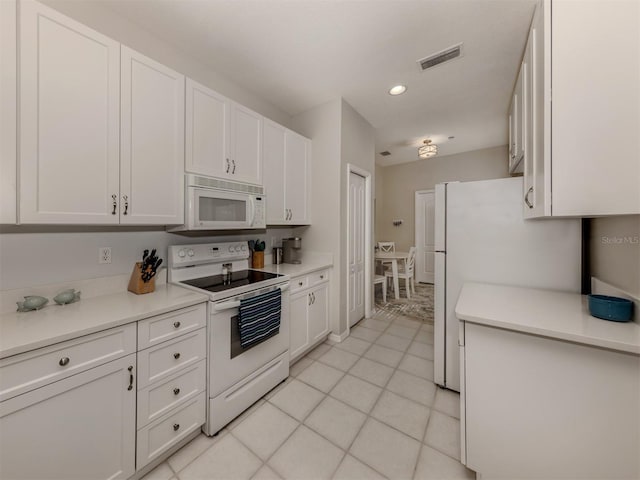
(481, 236)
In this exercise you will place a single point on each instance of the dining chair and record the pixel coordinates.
(406, 271)
(385, 247)
(380, 279)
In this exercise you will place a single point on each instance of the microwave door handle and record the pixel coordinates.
(252, 201)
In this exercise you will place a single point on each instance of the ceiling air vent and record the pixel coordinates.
(441, 57)
(386, 153)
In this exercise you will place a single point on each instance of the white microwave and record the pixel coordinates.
(214, 204)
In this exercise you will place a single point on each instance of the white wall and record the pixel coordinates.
(395, 199)
(322, 124)
(357, 148)
(615, 252)
(30, 257)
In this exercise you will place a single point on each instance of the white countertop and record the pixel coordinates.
(24, 331)
(559, 315)
(296, 270)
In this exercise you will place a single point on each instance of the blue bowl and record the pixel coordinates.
(610, 308)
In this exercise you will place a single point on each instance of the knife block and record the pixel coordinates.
(257, 260)
(136, 285)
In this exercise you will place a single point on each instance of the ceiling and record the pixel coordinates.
(297, 54)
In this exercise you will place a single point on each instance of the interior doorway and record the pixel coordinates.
(425, 240)
(358, 245)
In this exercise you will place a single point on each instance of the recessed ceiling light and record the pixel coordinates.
(397, 90)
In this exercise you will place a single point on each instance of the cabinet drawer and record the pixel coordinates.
(299, 283)
(24, 372)
(161, 397)
(157, 437)
(162, 360)
(161, 328)
(318, 277)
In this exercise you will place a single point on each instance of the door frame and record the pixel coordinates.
(368, 259)
(415, 219)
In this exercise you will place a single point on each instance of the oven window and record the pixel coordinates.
(236, 348)
(222, 210)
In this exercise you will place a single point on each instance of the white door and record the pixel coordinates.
(152, 142)
(78, 428)
(356, 247)
(425, 237)
(69, 117)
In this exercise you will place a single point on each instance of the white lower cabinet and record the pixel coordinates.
(309, 312)
(68, 410)
(82, 427)
(536, 407)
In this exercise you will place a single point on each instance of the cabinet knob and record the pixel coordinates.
(176, 324)
(176, 355)
(176, 391)
(299, 284)
(64, 361)
(321, 277)
(176, 426)
(114, 204)
(126, 204)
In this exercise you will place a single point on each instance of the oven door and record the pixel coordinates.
(228, 361)
(218, 209)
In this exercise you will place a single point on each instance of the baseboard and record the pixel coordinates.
(339, 338)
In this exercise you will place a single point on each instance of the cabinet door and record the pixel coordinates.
(297, 150)
(152, 153)
(537, 181)
(69, 116)
(78, 428)
(207, 124)
(319, 313)
(8, 105)
(273, 145)
(245, 146)
(298, 324)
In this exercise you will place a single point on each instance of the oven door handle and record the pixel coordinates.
(218, 307)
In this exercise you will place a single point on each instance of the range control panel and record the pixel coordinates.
(184, 255)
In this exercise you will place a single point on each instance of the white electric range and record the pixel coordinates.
(237, 376)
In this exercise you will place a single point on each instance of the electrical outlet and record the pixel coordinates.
(104, 255)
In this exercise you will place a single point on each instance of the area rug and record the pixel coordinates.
(418, 307)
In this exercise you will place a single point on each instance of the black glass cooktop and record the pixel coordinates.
(216, 283)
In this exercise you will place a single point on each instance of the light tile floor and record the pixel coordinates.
(366, 408)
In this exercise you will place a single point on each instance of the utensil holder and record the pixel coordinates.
(136, 285)
(257, 260)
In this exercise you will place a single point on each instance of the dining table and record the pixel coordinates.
(393, 257)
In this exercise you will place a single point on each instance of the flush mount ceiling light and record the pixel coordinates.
(397, 90)
(427, 150)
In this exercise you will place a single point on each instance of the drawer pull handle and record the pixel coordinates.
(176, 426)
(176, 324)
(64, 361)
(176, 391)
(130, 387)
(176, 355)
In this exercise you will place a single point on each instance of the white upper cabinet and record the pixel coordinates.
(274, 172)
(223, 138)
(517, 120)
(69, 120)
(297, 160)
(586, 140)
(207, 114)
(8, 112)
(245, 145)
(286, 157)
(152, 146)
